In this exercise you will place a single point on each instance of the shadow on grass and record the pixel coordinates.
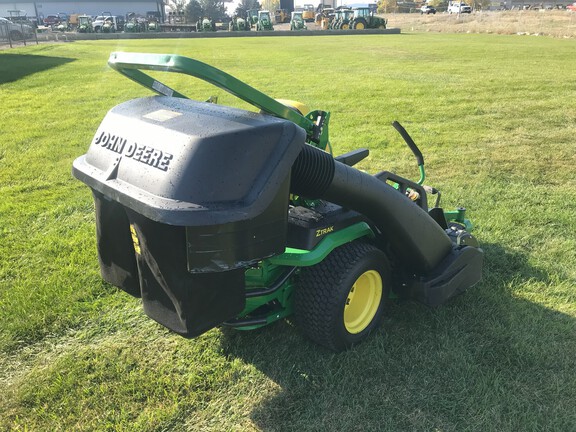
(17, 66)
(487, 360)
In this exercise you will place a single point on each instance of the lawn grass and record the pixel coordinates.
(496, 119)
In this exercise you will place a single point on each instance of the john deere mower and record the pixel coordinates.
(217, 216)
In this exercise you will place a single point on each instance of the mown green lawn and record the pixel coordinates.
(496, 119)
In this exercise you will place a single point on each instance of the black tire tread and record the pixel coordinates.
(316, 304)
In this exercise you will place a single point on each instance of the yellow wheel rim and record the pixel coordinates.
(345, 26)
(360, 26)
(363, 301)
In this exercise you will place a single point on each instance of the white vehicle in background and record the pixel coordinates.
(427, 9)
(108, 24)
(14, 30)
(458, 7)
(98, 22)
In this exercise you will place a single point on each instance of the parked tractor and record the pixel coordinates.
(153, 24)
(63, 26)
(238, 24)
(84, 24)
(205, 25)
(109, 25)
(344, 18)
(335, 18)
(219, 216)
(134, 24)
(252, 17)
(364, 18)
(297, 22)
(264, 21)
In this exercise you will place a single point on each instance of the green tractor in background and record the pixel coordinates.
(84, 24)
(134, 24)
(364, 18)
(64, 26)
(344, 18)
(252, 17)
(337, 16)
(153, 25)
(238, 24)
(109, 25)
(264, 21)
(205, 25)
(297, 22)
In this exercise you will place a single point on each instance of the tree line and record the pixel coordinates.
(214, 9)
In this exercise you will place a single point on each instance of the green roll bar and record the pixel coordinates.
(131, 65)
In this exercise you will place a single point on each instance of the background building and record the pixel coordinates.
(44, 8)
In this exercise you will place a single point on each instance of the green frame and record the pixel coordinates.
(131, 65)
(272, 269)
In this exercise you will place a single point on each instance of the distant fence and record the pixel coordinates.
(16, 33)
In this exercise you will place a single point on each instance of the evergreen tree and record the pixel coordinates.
(246, 5)
(194, 11)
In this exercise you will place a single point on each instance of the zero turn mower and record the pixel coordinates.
(218, 216)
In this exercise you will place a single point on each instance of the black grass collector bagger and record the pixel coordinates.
(221, 216)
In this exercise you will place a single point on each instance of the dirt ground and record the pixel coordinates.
(555, 23)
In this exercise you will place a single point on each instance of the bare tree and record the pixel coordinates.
(387, 6)
(270, 5)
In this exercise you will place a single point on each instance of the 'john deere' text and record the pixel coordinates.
(142, 153)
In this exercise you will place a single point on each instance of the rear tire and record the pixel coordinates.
(360, 24)
(340, 301)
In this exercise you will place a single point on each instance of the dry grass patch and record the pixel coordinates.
(555, 23)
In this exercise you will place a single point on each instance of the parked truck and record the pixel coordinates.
(458, 7)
